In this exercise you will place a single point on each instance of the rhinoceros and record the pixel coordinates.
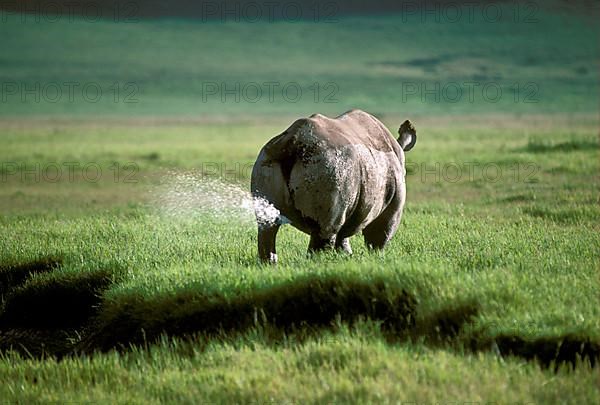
(333, 178)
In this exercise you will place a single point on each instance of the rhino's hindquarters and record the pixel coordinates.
(379, 232)
(332, 180)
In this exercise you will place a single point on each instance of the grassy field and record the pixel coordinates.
(476, 266)
(533, 61)
(128, 263)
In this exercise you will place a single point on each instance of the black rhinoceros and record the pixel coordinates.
(332, 178)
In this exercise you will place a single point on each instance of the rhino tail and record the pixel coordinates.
(408, 135)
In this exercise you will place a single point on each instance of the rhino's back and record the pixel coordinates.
(354, 127)
(317, 133)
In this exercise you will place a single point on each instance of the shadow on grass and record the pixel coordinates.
(445, 329)
(43, 315)
(61, 315)
(565, 215)
(567, 349)
(55, 302)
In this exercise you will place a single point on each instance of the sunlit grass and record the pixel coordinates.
(519, 255)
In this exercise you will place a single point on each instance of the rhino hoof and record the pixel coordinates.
(272, 258)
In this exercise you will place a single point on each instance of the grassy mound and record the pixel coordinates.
(309, 302)
(62, 313)
(15, 274)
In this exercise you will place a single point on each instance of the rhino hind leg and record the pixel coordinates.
(343, 244)
(375, 237)
(318, 243)
(267, 237)
(379, 232)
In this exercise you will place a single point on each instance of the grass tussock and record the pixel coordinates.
(449, 327)
(445, 324)
(14, 274)
(307, 303)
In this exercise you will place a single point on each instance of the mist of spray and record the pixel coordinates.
(194, 196)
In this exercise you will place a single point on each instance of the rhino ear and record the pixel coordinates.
(408, 136)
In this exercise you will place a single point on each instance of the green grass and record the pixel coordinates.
(110, 293)
(487, 268)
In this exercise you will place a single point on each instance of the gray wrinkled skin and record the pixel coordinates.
(333, 178)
